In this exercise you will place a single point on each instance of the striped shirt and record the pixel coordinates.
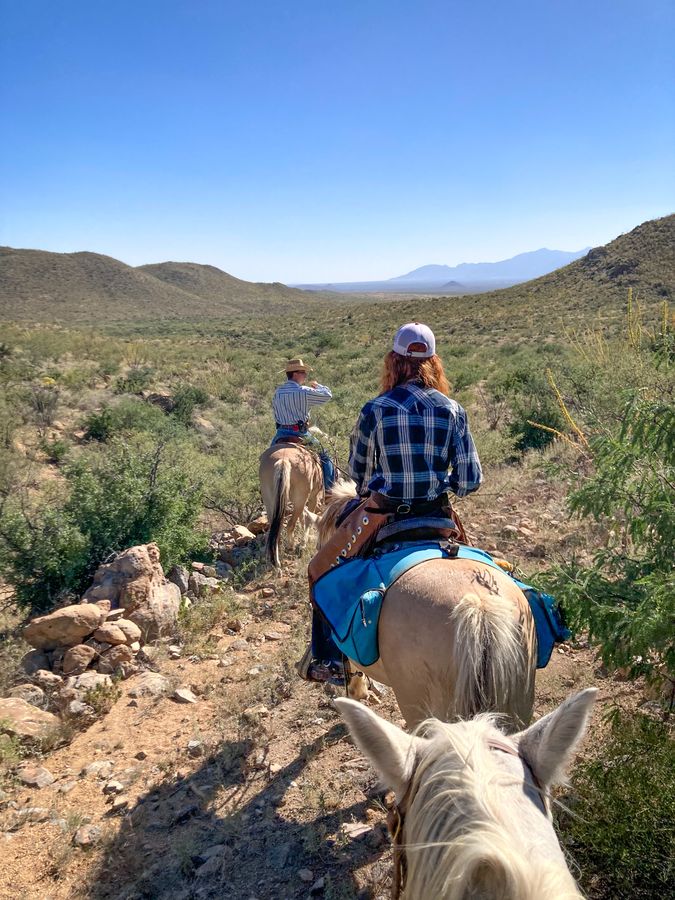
(292, 402)
(406, 440)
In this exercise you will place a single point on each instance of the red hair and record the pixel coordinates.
(399, 369)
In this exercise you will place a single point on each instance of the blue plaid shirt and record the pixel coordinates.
(406, 440)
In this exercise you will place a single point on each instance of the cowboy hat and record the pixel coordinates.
(296, 365)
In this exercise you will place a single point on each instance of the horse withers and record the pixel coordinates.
(472, 816)
(455, 636)
(292, 488)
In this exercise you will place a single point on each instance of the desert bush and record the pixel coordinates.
(136, 379)
(129, 415)
(55, 450)
(531, 404)
(619, 830)
(187, 398)
(625, 597)
(125, 493)
(43, 399)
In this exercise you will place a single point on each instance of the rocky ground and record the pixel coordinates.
(218, 773)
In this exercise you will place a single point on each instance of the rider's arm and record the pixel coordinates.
(316, 395)
(466, 475)
(362, 450)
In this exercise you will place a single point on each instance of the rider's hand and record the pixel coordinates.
(314, 384)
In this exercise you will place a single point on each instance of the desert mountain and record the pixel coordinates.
(518, 268)
(36, 285)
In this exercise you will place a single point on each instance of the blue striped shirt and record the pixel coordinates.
(406, 440)
(292, 402)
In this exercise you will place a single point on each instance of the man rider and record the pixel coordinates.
(291, 403)
(411, 446)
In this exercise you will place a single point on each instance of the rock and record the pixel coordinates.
(34, 661)
(318, 886)
(87, 835)
(183, 695)
(149, 684)
(198, 567)
(162, 399)
(65, 787)
(76, 659)
(118, 660)
(102, 768)
(526, 532)
(306, 875)
(88, 681)
(135, 647)
(258, 711)
(209, 571)
(240, 644)
(195, 748)
(56, 658)
(225, 662)
(113, 787)
(509, 529)
(259, 525)
(355, 829)
(203, 425)
(179, 576)
(131, 630)
(242, 535)
(77, 709)
(31, 814)
(105, 605)
(211, 868)
(64, 627)
(135, 582)
(26, 721)
(35, 776)
(267, 592)
(114, 615)
(120, 803)
(141, 755)
(212, 584)
(235, 625)
(31, 693)
(174, 651)
(47, 680)
(273, 636)
(98, 647)
(198, 584)
(111, 633)
(224, 570)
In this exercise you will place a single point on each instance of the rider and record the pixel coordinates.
(291, 404)
(402, 447)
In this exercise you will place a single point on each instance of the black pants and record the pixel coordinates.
(324, 647)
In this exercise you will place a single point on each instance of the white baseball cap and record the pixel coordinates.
(416, 340)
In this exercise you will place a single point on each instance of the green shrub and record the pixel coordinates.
(187, 398)
(117, 495)
(619, 831)
(532, 404)
(625, 597)
(130, 414)
(55, 451)
(136, 380)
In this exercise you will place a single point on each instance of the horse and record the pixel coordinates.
(456, 637)
(473, 813)
(292, 486)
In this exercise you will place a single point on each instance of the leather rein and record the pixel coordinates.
(396, 821)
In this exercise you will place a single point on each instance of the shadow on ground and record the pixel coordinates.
(198, 837)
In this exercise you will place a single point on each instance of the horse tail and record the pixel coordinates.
(282, 485)
(492, 660)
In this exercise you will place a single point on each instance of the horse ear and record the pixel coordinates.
(549, 744)
(389, 748)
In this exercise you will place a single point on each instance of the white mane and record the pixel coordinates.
(463, 824)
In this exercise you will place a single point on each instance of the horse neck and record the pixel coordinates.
(471, 832)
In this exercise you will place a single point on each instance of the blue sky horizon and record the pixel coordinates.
(311, 142)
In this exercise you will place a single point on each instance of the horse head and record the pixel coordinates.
(473, 811)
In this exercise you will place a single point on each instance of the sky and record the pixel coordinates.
(316, 140)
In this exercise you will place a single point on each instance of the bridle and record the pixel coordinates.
(396, 819)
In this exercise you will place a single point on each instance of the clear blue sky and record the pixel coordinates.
(313, 140)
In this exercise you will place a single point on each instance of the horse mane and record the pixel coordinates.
(341, 493)
(464, 845)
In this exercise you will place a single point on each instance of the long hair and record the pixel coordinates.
(399, 369)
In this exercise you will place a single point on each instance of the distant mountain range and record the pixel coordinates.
(464, 278)
(92, 289)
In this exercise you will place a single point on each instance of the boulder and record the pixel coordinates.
(26, 721)
(47, 680)
(31, 693)
(149, 684)
(118, 660)
(198, 584)
(88, 681)
(110, 633)
(179, 576)
(87, 835)
(64, 627)
(77, 659)
(33, 661)
(259, 525)
(135, 582)
(224, 571)
(35, 776)
(242, 535)
(131, 631)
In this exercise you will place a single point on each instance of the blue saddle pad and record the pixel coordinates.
(350, 597)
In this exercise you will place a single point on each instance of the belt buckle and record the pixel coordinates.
(403, 509)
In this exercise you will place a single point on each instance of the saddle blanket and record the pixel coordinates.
(350, 598)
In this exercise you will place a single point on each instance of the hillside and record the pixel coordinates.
(39, 286)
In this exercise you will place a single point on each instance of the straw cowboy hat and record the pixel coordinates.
(296, 365)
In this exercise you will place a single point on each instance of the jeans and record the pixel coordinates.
(312, 443)
(324, 648)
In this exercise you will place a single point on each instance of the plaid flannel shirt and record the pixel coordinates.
(406, 440)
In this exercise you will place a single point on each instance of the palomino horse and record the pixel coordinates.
(473, 818)
(456, 637)
(292, 486)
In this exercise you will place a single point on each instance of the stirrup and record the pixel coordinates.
(302, 666)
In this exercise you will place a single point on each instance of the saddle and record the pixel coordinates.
(289, 440)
